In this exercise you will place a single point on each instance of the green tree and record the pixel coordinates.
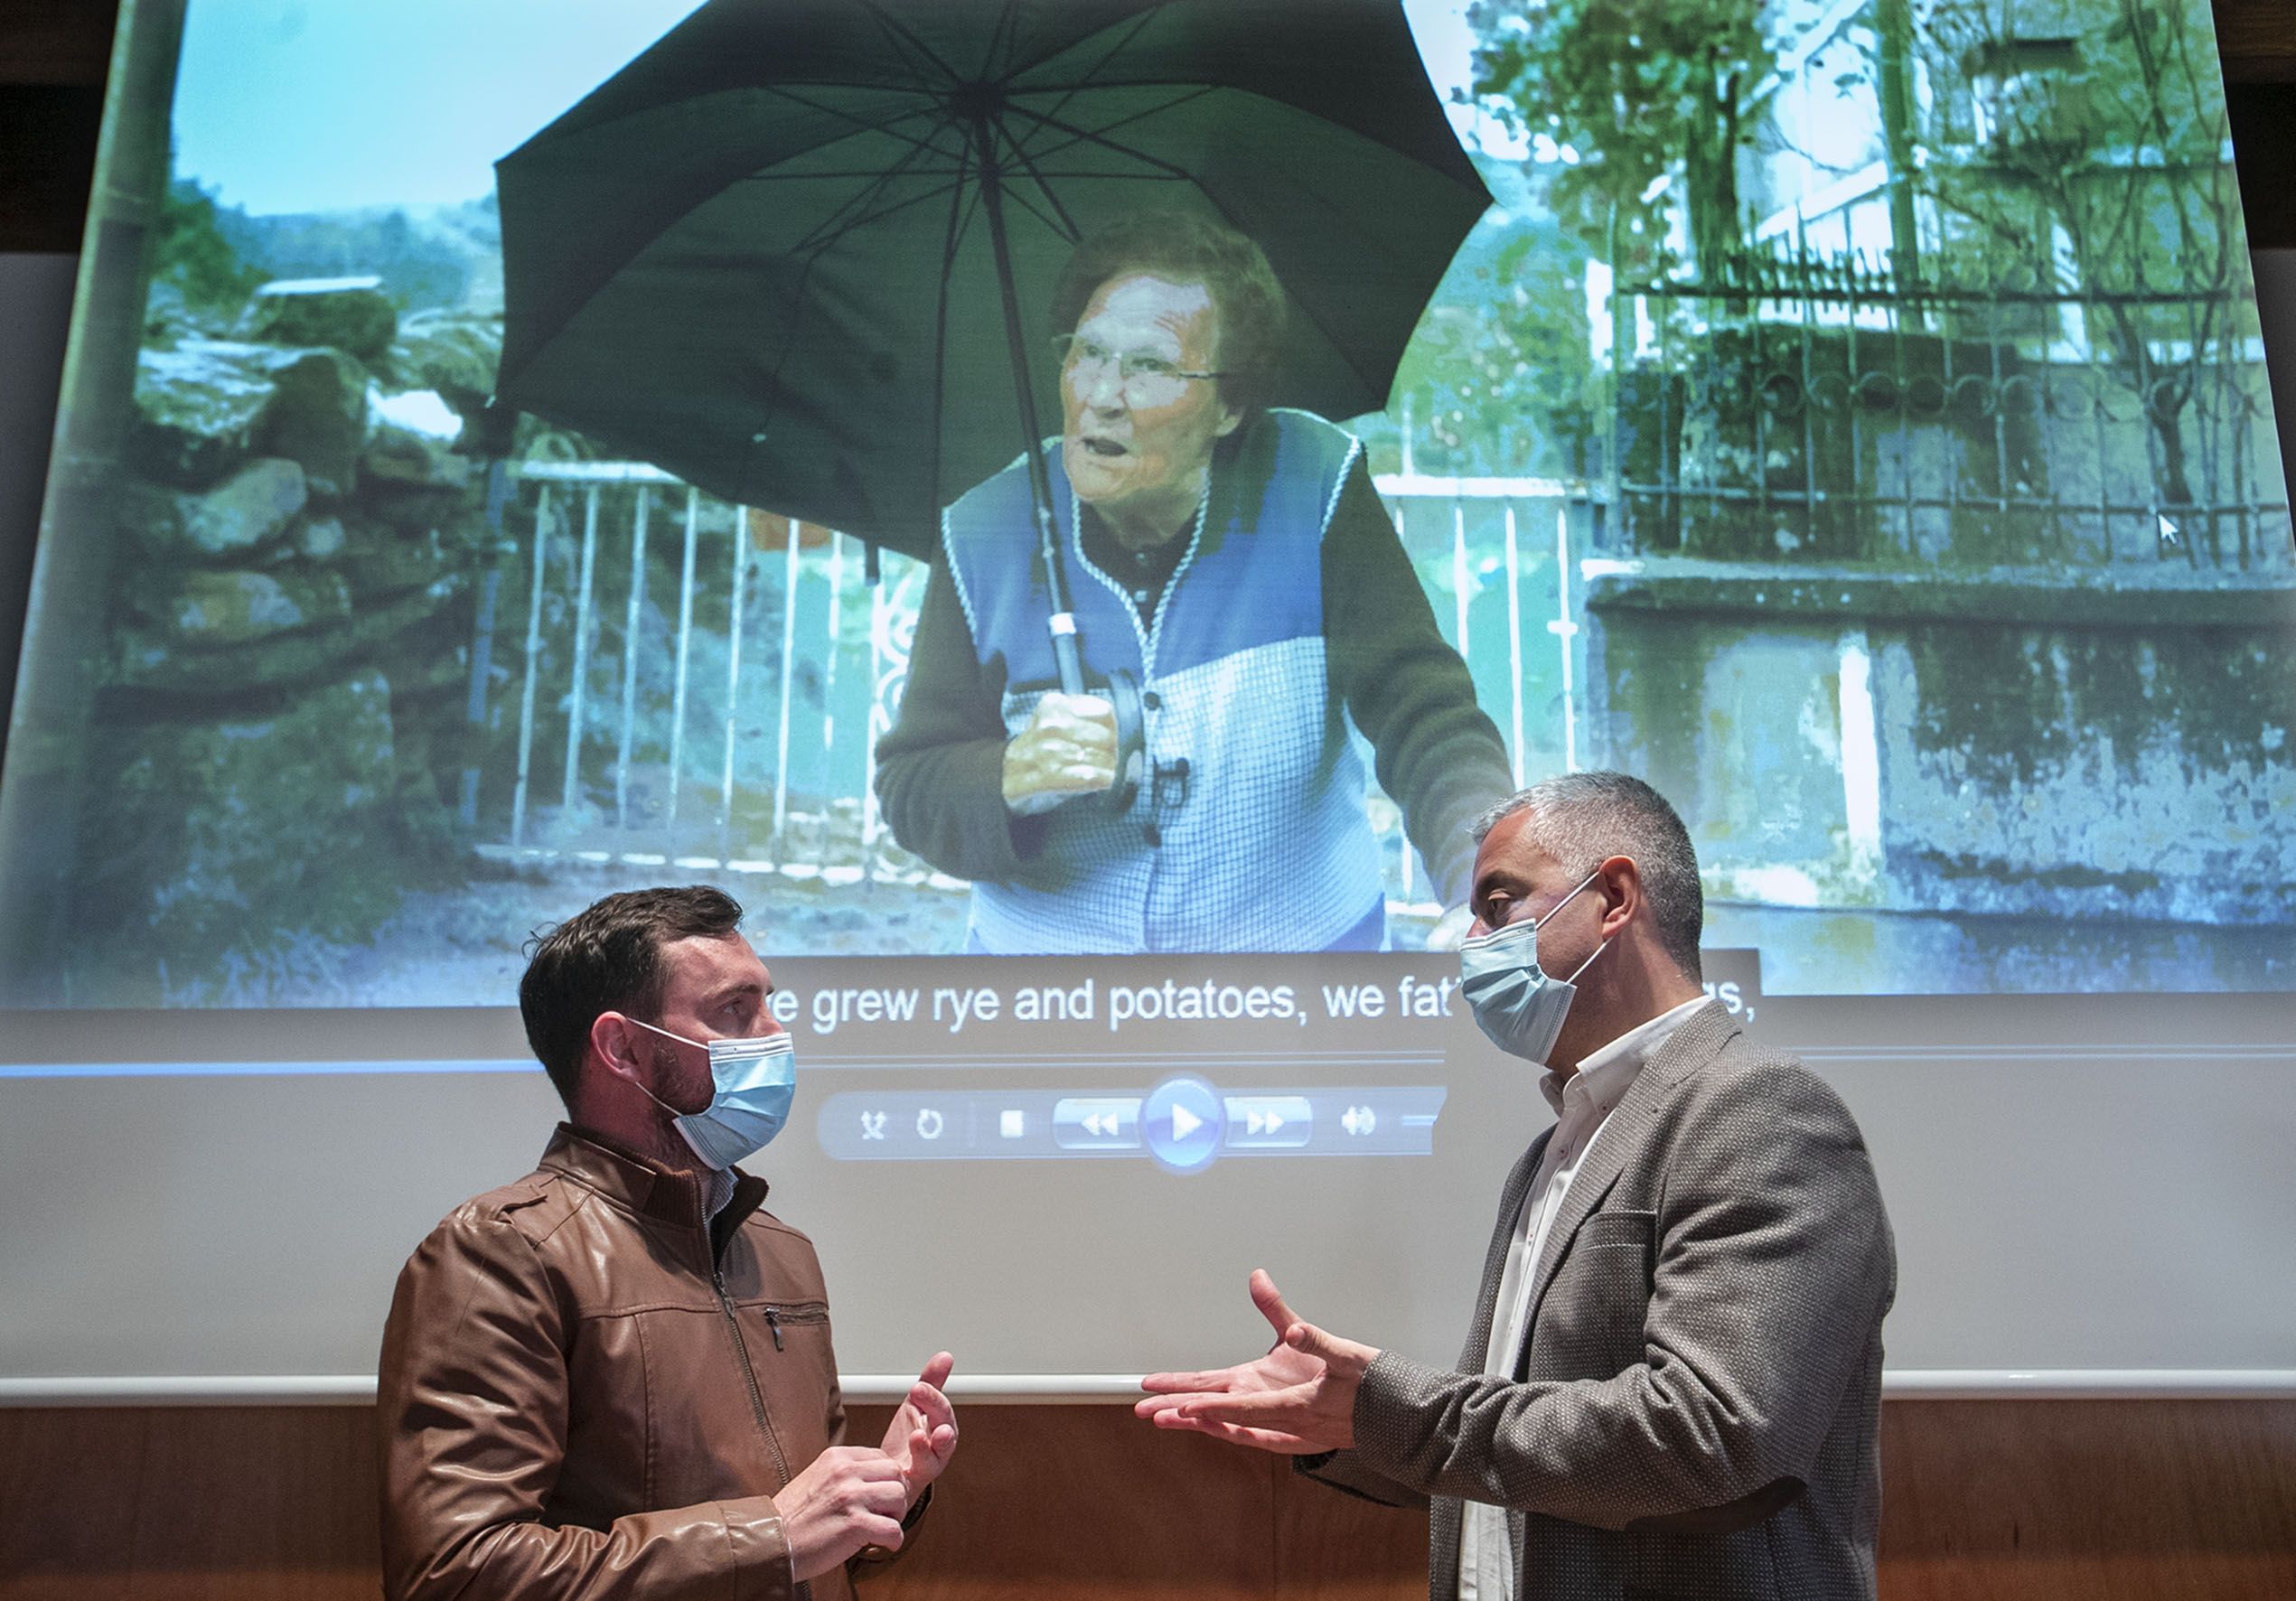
(1498, 378)
(2096, 165)
(191, 254)
(1639, 90)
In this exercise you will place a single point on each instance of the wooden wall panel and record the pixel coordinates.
(2256, 40)
(1986, 1500)
(2104, 1501)
(187, 1503)
(56, 41)
(1086, 1500)
(1331, 1547)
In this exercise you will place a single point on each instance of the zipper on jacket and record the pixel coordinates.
(749, 1375)
(780, 1315)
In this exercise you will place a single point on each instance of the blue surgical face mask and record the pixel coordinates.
(1513, 999)
(753, 1081)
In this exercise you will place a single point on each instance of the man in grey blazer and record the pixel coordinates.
(1673, 1383)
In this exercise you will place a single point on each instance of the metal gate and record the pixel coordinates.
(1805, 410)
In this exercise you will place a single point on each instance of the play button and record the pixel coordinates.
(1182, 1121)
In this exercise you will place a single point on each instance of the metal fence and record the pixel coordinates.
(693, 684)
(1805, 410)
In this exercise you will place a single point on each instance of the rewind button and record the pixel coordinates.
(1097, 1124)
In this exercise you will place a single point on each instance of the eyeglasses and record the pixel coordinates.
(1143, 377)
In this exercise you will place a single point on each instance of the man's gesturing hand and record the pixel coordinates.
(1068, 749)
(922, 1435)
(1299, 1398)
(847, 1497)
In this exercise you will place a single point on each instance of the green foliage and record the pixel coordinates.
(441, 257)
(1499, 378)
(2116, 138)
(192, 256)
(1639, 90)
(2098, 166)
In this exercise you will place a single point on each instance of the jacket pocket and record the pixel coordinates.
(1618, 1228)
(783, 1318)
(796, 1372)
(1591, 1320)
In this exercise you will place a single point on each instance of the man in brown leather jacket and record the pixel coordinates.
(614, 1379)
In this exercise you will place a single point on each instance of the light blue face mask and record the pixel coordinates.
(754, 1081)
(1514, 1000)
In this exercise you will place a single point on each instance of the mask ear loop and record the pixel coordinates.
(1529, 927)
(682, 1039)
(1599, 948)
(665, 1033)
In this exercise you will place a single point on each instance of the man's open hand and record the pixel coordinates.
(922, 1435)
(1299, 1398)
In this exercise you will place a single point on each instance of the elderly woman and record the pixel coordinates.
(1235, 559)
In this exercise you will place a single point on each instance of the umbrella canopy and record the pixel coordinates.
(760, 255)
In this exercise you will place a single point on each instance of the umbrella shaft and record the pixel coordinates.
(1040, 488)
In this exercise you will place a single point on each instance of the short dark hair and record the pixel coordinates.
(608, 959)
(1188, 248)
(1583, 819)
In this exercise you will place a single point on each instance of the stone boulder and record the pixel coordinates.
(251, 509)
(351, 314)
(204, 406)
(197, 407)
(384, 563)
(163, 658)
(451, 353)
(318, 417)
(198, 607)
(400, 458)
(263, 821)
(320, 538)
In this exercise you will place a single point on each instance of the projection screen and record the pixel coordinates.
(1913, 515)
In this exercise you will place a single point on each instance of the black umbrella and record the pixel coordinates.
(801, 253)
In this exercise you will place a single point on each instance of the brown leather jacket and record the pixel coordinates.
(584, 1392)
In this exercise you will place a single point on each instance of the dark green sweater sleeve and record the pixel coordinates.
(941, 766)
(1438, 755)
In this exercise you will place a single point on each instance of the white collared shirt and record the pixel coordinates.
(1582, 1102)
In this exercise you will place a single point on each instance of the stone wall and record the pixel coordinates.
(287, 659)
(1999, 744)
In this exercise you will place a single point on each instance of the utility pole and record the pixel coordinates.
(71, 582)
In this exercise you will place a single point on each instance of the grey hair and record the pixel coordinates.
(1582, 819)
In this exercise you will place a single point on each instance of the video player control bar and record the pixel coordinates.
(1183, 1123)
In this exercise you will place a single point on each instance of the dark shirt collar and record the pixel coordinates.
(646, 1187)
(1141, 574)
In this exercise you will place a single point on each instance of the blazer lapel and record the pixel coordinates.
(1518, 1185)
(1625, 1136)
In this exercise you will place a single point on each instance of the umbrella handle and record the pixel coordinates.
(1065, 660)
(1123, 692)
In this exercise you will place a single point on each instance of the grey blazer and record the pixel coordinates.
(1694, 1410)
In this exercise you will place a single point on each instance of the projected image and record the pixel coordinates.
(987, 526)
